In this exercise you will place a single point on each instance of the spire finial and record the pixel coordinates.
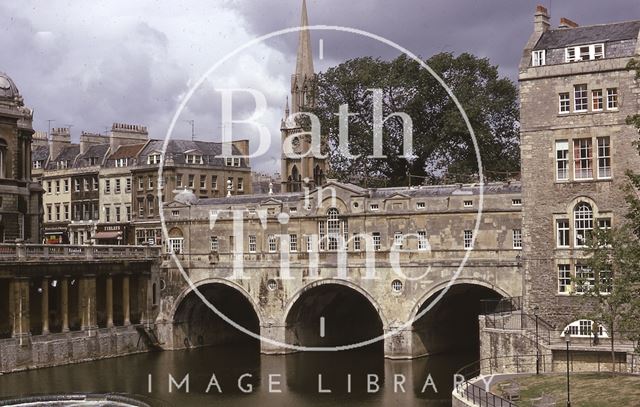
(286, 108)
(304, 64)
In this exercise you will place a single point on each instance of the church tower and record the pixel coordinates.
(307, 171)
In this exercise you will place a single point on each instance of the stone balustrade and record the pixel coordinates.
(38, 252)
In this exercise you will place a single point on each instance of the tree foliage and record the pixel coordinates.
(442, 146)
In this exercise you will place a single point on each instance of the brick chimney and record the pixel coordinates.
(566, 23)
(541, 21)
(39, 138)
(60, 138)
(90, 139)
(243, 147)
(122, 133)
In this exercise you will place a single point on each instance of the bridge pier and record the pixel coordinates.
(276, 333)
(126, 307)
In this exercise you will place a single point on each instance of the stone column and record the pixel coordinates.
(64, 303)
(89, 317)
(19, 303)
(126, 308)
(143, 300)
(45, 306)
(109, 302)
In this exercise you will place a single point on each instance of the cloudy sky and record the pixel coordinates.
(89, 64)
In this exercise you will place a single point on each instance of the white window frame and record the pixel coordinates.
(582, 90)
(563, 233)
(517, 238)
(604, 157)
(376, 241)
(374, 207)
(612, 99)
(583, 223)
(253, 243)
(421, 205)
(562, 160)
(539, 58)
(564, 279)
(175, 245)
(398, 240)
(593, 52)
(468, 204)
(468, 239)
(272, 243)
(564, 102)
(422, 240)
(293, 242)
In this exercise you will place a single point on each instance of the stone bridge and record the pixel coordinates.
(313, 302)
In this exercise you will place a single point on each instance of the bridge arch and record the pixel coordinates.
(195, 324)
(452, 322)
(348, 312)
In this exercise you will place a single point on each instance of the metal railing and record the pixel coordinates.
(500, 305)
(481, 395)
(522, 321)
(38, 252)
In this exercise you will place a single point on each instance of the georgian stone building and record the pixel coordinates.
(193, 165)
(19, 196)
(575, 96)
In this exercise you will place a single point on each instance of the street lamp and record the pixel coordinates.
(535, 314)
(567, 338)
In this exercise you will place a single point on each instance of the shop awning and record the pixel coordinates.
(107, 235)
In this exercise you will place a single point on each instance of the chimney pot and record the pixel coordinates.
(567, 23)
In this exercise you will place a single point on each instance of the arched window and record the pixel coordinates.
(175, 244)
(3, 155)
(583, 328)
(295, 178)
(334, 232)
(583, 218)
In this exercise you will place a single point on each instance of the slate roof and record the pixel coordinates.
(565, 37)
(39, 153)
(94, 151)
(126, 151)
(176, 149)
(253, 198)
(69, 153)
(381, 193)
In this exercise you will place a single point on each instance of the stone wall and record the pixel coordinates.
(67, 348)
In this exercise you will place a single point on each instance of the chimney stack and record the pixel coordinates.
(90, 139)
(566, 23)
(60, 138)
(541, 22)
(122, 133)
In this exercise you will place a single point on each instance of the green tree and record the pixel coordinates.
(442, 145)
(611, 288)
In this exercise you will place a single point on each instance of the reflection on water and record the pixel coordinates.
(246, 378)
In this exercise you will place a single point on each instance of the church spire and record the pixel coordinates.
(304, 63)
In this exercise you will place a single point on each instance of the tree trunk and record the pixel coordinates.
(613, 353)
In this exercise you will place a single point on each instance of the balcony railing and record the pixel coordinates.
(39, 252)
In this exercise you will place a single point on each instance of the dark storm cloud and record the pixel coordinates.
(497, 29)
(94, 63)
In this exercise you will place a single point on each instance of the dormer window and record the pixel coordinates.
(121, 162)
(584, 53)
(232, 162)
(37, 163)
(154, 158)
(194, 159)
(93, 160)
(538, 58)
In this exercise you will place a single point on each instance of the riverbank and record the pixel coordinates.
(587, 389)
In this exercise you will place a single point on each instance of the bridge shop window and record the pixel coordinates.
(253, 246)
(175, 243)
(517, 238)
(333, 232)
(213, 241)
(272, 243)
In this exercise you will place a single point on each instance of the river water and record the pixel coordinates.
(246, 378)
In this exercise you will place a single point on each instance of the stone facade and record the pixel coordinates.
(19, 196)
(431, 226)
(575, 150)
